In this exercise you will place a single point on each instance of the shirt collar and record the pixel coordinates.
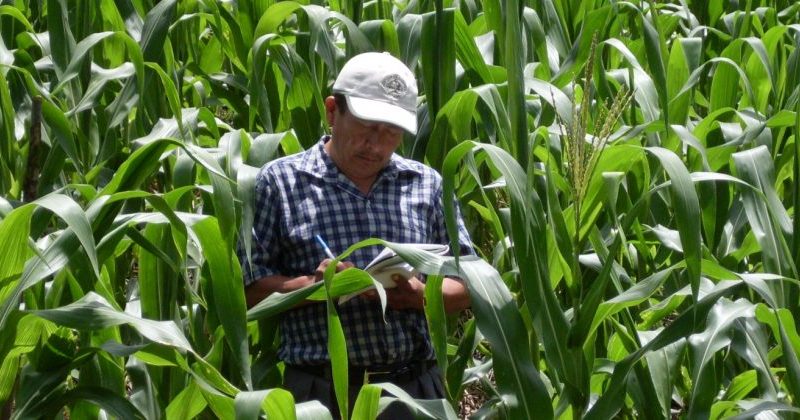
(317, 163)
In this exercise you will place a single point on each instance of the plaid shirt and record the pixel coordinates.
(303, 195)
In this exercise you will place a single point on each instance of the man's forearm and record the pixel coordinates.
(266, 286)
(455, 295)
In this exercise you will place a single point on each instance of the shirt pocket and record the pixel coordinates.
(299, 250)
(410, 223)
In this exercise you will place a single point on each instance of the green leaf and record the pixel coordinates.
(686, 205)
(740, 386)
(158, 272)
(555, 97)
(172, 97)
(751, 344)
(312, 410)
(62, 131)
(518, 376)
(303, 98)
(452, 125)
(367, 402)
(274, 16)
(337, 348)
(633, 296)
(279, 404)
(457, 367)
(188, 404)
(768, 408)
(66, 208)
(276, 303)
(84, 49)
(687, 322)
(348, 281)
(222, 406)
(501, 324)
(93, 312)
(514, 64)
(383, 35)
(783, 328)
(138, 166)
(677, 74)
(112, 403)
(654, 47)
(222, 196)
(467, 51)
(663, 367)
(768, 218)
(20, 339)
(14, 231)
(438, 57)
(142, 393)
(705, 345)
(437, 320)
(227, 290)
(97, 86)
(78, 234)
(595, 22)
(62, 42)
(245, 191)
(409, 34)
(154, 33)
(435, 409)
(7, 124)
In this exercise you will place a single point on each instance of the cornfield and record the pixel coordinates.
(627, 169)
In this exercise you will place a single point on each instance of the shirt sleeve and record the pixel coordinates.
(266, 225)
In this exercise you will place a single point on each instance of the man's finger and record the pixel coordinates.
(324, 264)
(399, 279)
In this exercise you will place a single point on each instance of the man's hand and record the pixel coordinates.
(283, 284)
(409, 293)
(319, 274)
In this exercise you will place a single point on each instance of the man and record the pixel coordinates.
(349, 187)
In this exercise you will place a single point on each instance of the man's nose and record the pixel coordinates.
(374, 136)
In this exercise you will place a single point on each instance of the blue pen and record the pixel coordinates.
(325, 247)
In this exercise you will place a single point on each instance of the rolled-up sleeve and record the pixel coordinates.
(266, 223)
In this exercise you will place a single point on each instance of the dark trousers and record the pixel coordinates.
(314, 383)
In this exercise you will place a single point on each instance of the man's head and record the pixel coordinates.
(379, 88)
(374, 100)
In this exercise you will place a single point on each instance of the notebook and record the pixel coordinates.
(387, 264)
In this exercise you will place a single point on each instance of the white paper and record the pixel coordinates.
(387, 264)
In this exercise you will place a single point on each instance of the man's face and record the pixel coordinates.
(360, 148)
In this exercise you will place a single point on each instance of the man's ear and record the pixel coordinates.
(330, 110)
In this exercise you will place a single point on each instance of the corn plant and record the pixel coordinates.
(627, 169)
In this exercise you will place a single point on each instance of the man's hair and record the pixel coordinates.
(341, 102)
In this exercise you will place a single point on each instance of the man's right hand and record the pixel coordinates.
(320, 272)
(266, 286)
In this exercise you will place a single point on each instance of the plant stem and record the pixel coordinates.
(30, 185)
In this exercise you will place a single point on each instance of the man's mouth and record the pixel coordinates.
(369, 158)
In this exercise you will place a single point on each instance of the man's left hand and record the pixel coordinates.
(409, 293)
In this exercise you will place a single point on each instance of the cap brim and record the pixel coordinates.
(371, 110)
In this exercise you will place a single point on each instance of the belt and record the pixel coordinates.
(395, 373)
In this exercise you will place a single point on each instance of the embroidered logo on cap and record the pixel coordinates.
(394, 86)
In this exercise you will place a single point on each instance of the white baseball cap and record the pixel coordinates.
(379, 87)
